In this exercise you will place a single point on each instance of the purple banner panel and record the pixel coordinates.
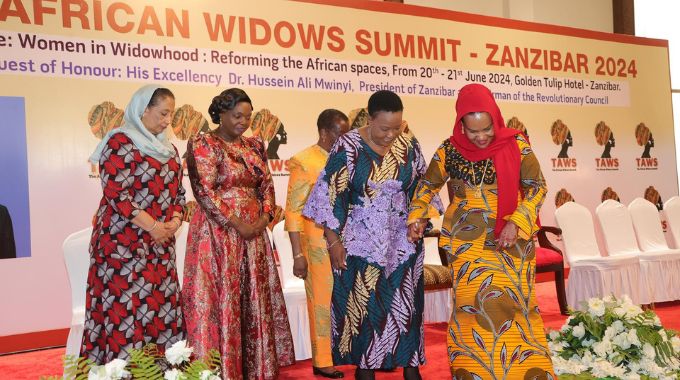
(15, 224)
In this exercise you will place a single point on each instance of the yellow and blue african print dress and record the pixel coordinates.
(495, 330)
(377, 302)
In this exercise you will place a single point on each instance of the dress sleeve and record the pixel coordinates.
(329, 202)
(533, 188)
(427, 190)
(117, 167)
(266, 188)
(202, 162)
(180, 200)
(299, 187)
(435, 206)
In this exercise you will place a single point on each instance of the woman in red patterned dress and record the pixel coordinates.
(231, 295)
(132, 290)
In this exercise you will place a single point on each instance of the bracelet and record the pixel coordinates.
(155, 224)
(178, 223)
(333, 243)
(298, 256)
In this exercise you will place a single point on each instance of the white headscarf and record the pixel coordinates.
(157, 146)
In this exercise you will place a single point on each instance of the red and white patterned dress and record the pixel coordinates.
(232, 295)
(132, 290)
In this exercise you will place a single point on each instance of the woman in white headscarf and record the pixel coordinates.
(132, 290)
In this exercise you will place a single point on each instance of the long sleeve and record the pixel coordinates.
(202, 162)
(117, 170)
(266, 188)
(299, 188)
(180, 194)
(427, 190)
(328, 204)
(533, 188)
(181, 200)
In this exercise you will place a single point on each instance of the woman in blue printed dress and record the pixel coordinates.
(362, 200)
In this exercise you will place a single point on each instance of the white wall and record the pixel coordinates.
(584, 14)
(658, 19)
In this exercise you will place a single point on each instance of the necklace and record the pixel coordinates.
(478, 188)
(370, 138)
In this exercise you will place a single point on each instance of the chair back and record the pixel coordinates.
(578, 232)
(617, 228)
(181, 237)
(285, 253)
(647, 225)
(77, 259)
(431, 248)
(672, 210)
(431, 244)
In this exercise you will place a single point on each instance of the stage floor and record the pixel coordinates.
(32, 365)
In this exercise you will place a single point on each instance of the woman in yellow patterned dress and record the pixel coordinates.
(495, 331)
(311, 260)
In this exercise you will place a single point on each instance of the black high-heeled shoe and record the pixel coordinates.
(332, 375)
(364, 374)
(412, 373)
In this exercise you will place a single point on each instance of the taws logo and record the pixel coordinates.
(102, 118)
(563, 197)
(276, 167)
(605, 137)
(609, 193)
(271, 130)
(561, 135)
(644, 138)
(652, 195)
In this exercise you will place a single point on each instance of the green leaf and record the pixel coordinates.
(143, 365)
(76, 368)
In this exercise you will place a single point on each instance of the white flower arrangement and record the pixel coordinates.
(148, 364)
(615, 339)
(178, 353)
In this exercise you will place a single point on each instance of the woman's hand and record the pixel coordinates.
(416, 230)
(338, 255)
(508, 236)
(300, 267)
(176, 223)
(163, 232)
(261, 223)
(246, 230)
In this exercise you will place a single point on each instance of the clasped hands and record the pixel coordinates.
(248, 230)
(162, 232)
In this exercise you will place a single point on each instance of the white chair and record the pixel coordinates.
(660, 264)
(293, 294)
(619, 239)
(77, 260)
(672, 210)
(591, 274)
(181, 237)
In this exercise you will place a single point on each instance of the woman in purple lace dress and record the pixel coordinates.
(362, 199)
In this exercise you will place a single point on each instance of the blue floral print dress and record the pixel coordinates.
(377, 302)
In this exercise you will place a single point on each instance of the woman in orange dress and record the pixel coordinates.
(495, 330)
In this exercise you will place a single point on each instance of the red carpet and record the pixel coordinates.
(48, 362)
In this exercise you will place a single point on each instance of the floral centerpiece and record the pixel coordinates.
(148, 364)
(615, 339)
